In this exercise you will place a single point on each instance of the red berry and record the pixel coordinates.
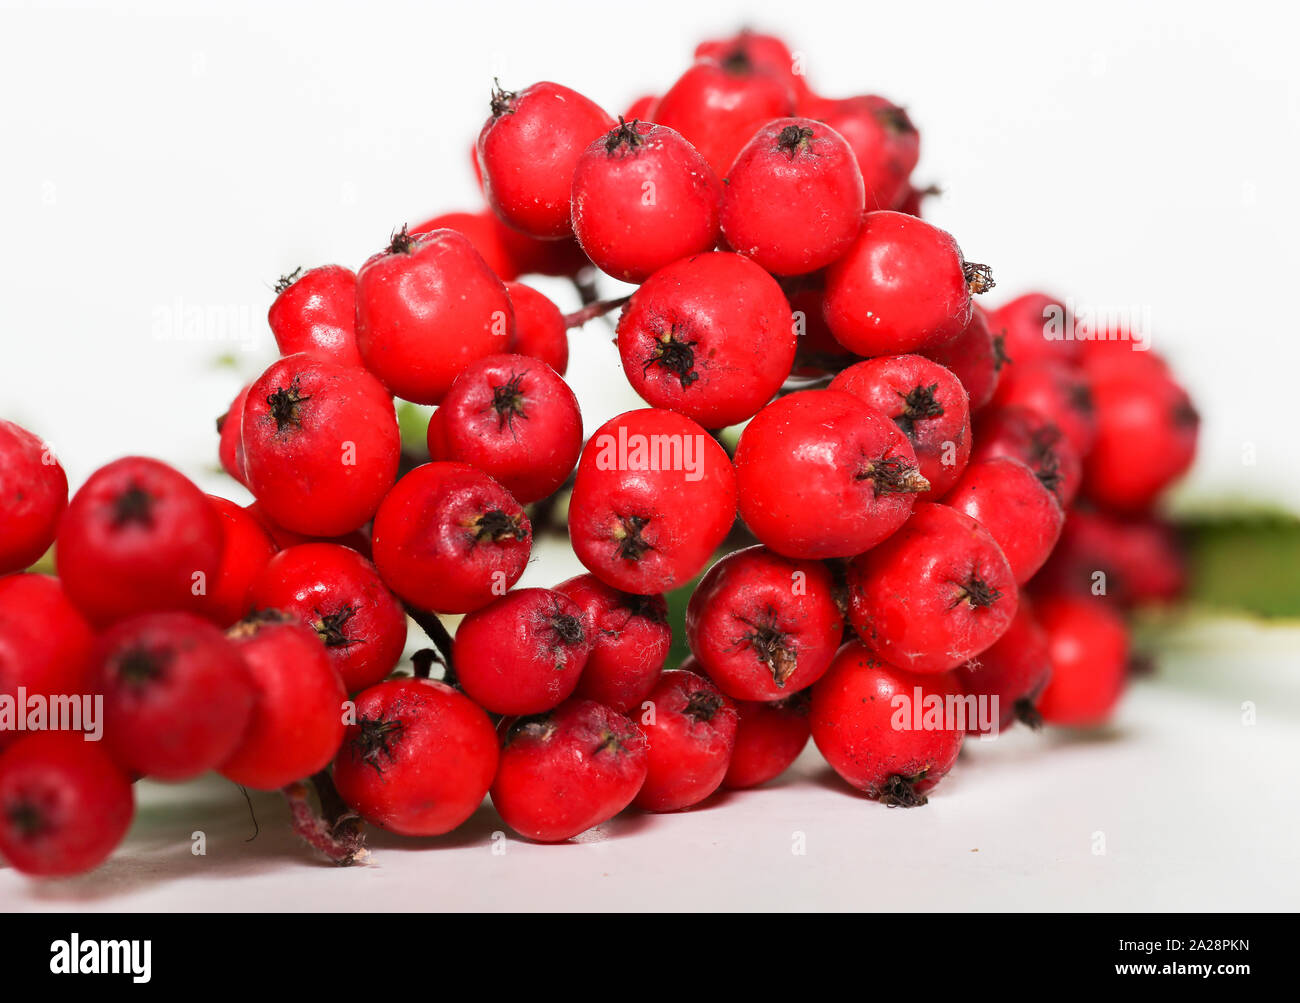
(818, 352)
(975, 357)
(567, 770)
(1056, 391)
(1033, 328)
(281, 537)
(245, 549)
(230, 429)
(935, 594)
(64, 804)
(630, 640)
(902, 287)
(419, 759)
(642, 109)
(691, 729)
(523, 653)
(653, 498)
(321, 445)
(1089, 647)
(719, 104)
(822, 475)
(316, 312)
(450, 538)
(884, 142)
(1006, 498)
(46, 645)
(177, 698)
(766, 53)
(427, 307)
(763, 626)
(710, 337)
(297, 721)
(927, 402)
(643, 197)
(138, 537)
(1146, 439)
(33, 495)
(1130, 560)
(1013, 672)
(864, 720)
(793, 201)
(494, 241)
(528, 150)
(768, 740)
(1115, 351)
(514, 418)
(338, 594)
(540, 331)
(1035, 441)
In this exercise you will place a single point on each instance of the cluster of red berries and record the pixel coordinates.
(912, 467)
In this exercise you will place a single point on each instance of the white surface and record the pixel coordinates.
(161, 154)
(1198, 812)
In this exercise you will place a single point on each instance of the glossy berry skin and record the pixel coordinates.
(495, 242)
(338, 594)
(793, 201)
(822, 475)
(1035, 441)
(245, 550)
(138, 537)
(927, 402)
(643, 197)
(719, 105)
(540, 331)
(630, 640)
(64, 804)
(427, 307)
(420, 758)
(1014, 670)
(975, 357)
(653, 498)
(46, 645)
(691, 730)
(515, 419)
(567, 770)
(230, 432)
(33, 495)
(884, 142)
(321, 445)
(763, 626)
(935, 594)
(316, 312)
(1058, 392)
(177, 697)
(768, 740)
(902, 287)
(765, 53)
(855, 710)
(523, 653)
(1031, 326)
(711, 337)
(449, 538)
(1146, 439)
(528, 150)
(1023, 516)
(297, 721)
(1089, 647)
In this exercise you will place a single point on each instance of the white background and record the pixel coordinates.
(161, 158)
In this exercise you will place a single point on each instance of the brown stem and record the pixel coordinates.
(593, 310)
(336, 831)
(437, 633)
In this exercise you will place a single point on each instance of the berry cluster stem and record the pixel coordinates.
(593, 310)
(336, 831)
(437, 633)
